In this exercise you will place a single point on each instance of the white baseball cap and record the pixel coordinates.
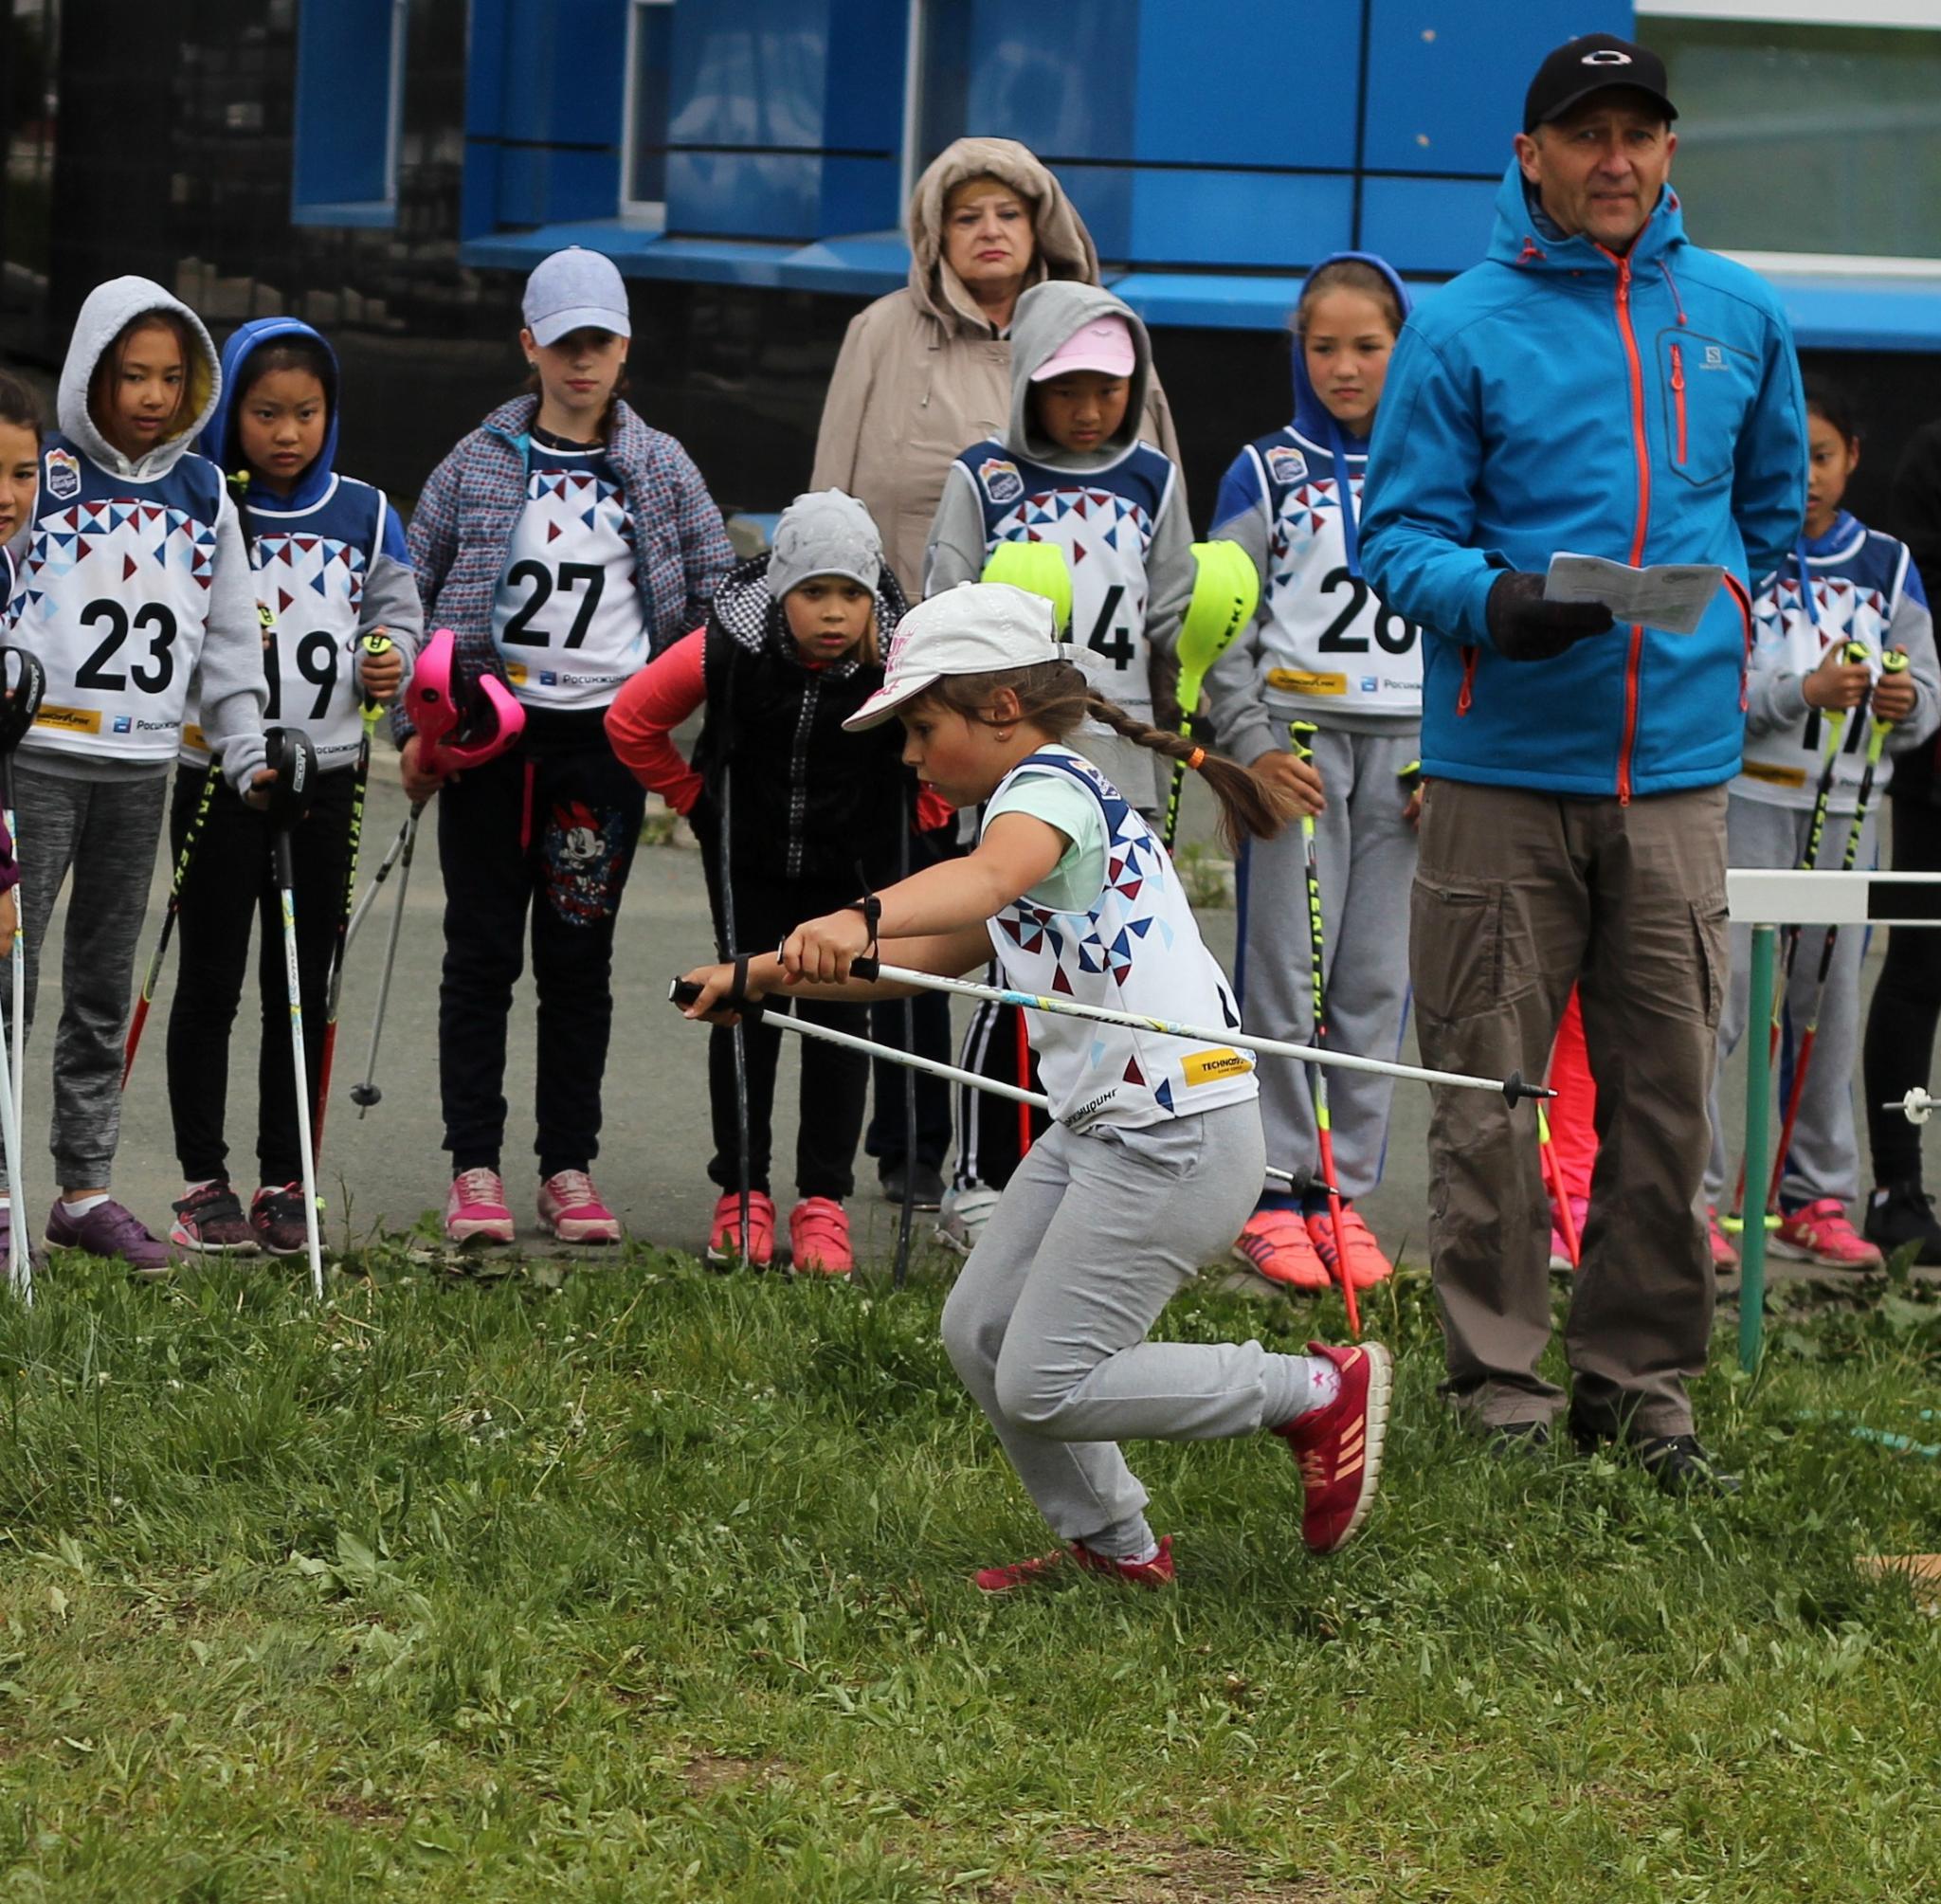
(575, 290)
(974, 628)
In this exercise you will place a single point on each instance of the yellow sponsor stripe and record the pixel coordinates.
(1297, 680)
(69, 719)
(1773, 776)
(1208, 1067)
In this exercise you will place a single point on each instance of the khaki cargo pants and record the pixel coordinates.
(1517, 896)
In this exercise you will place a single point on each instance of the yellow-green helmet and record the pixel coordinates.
(1226, 595)
(1038, 567)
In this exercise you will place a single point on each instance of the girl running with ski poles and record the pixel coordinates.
(1155, 1156)
(341, 626)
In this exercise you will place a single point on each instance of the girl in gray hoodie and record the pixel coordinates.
(134, 579)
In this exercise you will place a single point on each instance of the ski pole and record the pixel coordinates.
(365, 1092)
(737, 1035)
(681, 993)
(1834, 729)
(1226, 595)
(289, 751)
(1513, 1088)
(25, 679)
(1893, 661)
(20, 1269)
(1560, 1196)
(391, 855)
(900, 1269)
(1301, 734)
(182, 860)
(375, 645)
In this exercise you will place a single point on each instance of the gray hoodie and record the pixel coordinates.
(229, 672)
(1047, 314)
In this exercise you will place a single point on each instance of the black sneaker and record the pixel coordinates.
(1900, 1214)
(277, 1217)
(1679, 1465)
(929, 1185)
(1514, 1441)
(211, 1222)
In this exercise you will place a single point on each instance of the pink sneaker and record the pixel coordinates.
(1560, 1244)
(819, 1238)
(1821, 1233)
(724, 1236)
(1367, 1265)
(571, 1209)
(476, 1209)
(1725, 1259)
(1275, 1244)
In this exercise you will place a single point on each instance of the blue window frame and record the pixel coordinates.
(349, 107)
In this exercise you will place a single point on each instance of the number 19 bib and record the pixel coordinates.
(114, 598)
(567, 618)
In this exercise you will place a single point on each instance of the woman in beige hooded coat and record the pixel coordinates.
(927, 370)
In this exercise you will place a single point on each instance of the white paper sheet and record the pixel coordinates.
(1672, 595)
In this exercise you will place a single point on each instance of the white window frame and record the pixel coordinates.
(1915, 13)
(645, 211)
(1919, 15)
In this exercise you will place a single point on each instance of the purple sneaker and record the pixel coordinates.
(109, 1230)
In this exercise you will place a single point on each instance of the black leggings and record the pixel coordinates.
(1906, 1008)
(232, 886)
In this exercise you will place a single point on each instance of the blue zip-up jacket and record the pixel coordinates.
(1558, 397)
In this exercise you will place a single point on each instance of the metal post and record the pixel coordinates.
(1758, 1111)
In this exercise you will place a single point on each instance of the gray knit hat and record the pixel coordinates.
(824, 532)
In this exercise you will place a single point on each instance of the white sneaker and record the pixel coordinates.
(965, 1212)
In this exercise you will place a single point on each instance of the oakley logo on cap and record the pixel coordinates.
(1605, 56)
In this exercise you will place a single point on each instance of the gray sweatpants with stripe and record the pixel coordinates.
(1094, 1235)
(1824, 1159)
(103, 832)
(1366, 853)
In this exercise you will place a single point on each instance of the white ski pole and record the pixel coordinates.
(20, 1262)
(288, 750)
(1512, 1087)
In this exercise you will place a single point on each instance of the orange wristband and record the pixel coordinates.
(1196, 759)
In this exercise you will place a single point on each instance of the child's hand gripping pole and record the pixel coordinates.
(1301, 734)
(1893, 662)
(1226, 596)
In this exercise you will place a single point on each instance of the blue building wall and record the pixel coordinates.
(1216, 148)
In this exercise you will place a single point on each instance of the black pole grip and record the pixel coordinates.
(866, 967)
(683, 993)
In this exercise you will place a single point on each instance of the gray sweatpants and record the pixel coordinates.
(104, 831)
(1824, 1159)
(1364, 851)
(1047, 1326)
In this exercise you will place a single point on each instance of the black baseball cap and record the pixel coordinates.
(1595, 63)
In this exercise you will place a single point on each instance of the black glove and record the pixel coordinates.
(1525, 628)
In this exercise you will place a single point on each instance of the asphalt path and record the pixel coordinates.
(386, 1168)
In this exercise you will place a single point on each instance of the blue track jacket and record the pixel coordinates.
(1645, 408)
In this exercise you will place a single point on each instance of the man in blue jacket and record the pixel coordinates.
(1600, 386)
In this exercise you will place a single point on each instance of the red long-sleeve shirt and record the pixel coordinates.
(643, 715)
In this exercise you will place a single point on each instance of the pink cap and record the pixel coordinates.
(1104, 345)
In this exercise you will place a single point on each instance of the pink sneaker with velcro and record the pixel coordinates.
(1821, 1233)
(1367, 1265)
(1275, 1244)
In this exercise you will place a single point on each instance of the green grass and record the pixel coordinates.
(653, 1586)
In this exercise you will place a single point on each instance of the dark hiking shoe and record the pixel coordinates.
(277, 1219)
(929, 1185)
(211, 1222)
(1900, 1214)
(1679, 1465)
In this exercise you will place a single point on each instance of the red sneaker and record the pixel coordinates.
(724, 1234)
(1275, 1244)
(1821, 1233)
(1149, 1573)
(1367, 1265)
(1339, 1448)
(819, 1238)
